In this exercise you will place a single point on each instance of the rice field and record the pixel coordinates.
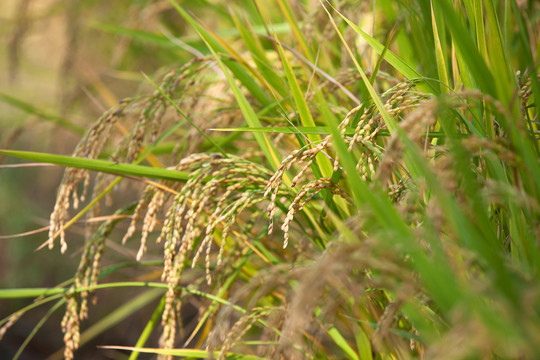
(289, 179)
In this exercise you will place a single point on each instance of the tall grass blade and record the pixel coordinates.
(389, 56)
(110, 167)
(187, 353)
(31, 109)
(249, 114)
(113, 318)
(468, 50)
(239, 72)
(145, 334)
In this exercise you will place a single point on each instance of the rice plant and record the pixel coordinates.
(323, 180)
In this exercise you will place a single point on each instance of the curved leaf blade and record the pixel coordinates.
(106, 166)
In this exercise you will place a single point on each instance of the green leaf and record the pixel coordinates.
(152, 323)
(264, 65)
(342, 343)
(249, 114)
(389, 56)
(136, 34)
(37, 327)
(118, 315)
(319, 130)
(324, 166)
(462, 40)
(60, 121)
(191, 353)
(28, 293)
(110, 167)
(214, 44)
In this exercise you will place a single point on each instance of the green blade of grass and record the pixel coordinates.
(110, 167)
(317, 69)
(387, 215)
(363, 344)
(152, 323)
(433, 273)
(342, 343)
(41, 293)
(113, 318)
(462, 40)
(439, 36)
(259, 57)
(60, 291)
(317, 130)
(136, 34)
(26, 107)
(118, 179)
(289, 16)
(382, 55)
(301, 104)
(249, 114)
(189, 353)
(324, 166)
(389, 56)
(37, 327)
(498, 59)
(183, 114)
(161, 40)
(212, 43)
(29, 293)
(390, 122)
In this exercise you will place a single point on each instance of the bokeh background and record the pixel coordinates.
(62, 64)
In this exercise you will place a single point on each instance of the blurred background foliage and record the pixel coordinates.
(66, 63)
